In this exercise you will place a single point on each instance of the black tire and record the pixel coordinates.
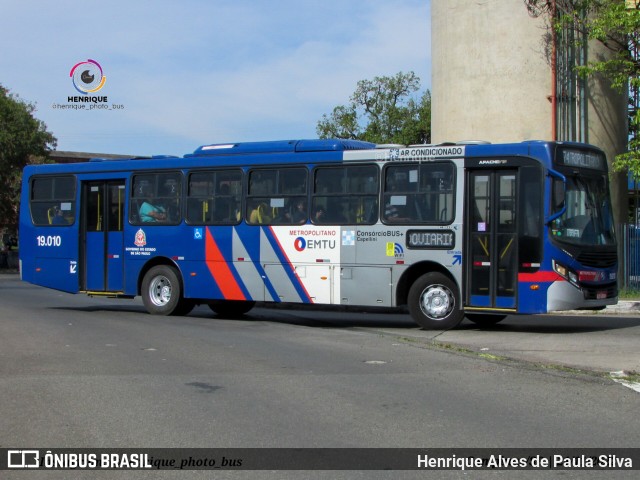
(184, 307)
(231, 308)
(485, 319)
(162, 291)
(434, 302)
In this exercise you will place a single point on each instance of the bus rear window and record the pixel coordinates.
(53, 200)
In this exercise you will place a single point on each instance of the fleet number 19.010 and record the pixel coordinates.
(49, 240)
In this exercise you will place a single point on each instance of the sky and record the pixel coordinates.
(193, 72)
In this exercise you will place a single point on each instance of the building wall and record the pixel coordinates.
(490, 75)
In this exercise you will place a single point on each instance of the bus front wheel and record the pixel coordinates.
(162, 291)
(434, 302)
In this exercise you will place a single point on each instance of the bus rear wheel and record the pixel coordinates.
(162, 292)
(434, 302)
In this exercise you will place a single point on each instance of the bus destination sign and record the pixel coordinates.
(431, 239)
(582, 159)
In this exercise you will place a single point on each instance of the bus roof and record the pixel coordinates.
(282, 146)
(283, 151)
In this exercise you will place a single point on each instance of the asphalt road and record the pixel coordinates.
(89, 372)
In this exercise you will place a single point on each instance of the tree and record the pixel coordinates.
(616, 24)
(23, 140)
(382, 110)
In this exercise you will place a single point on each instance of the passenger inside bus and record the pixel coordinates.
(299, 215)
(320, 216)
(149, 212)
(58, 218)
(259, 214)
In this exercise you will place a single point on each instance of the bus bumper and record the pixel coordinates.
(563, 295)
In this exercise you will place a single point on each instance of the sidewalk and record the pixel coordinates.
(604, 341)
(623, 307)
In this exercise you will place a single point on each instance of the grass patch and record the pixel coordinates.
(626, 376)
(449, 347)
(489, 356)
(629, 294)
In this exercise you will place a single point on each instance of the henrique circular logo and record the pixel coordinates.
(87, 76)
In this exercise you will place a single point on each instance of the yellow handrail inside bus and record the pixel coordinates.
(485, 245)
(99, 222)
(205, 210)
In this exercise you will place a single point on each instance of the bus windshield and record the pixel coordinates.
(588, 219)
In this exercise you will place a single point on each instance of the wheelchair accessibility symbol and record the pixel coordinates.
(197, 234)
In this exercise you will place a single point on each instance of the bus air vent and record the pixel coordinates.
(598, 259)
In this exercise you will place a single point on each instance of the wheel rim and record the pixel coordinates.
(437, 302)
(160, 291)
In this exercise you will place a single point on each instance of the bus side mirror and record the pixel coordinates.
(558, 193)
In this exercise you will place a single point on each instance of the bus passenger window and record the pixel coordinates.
(155, 198)
(214, 197)
(277, 196)
(345, 195)
(52, 200)
(419, 194)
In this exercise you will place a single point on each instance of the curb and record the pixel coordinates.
(623, 307)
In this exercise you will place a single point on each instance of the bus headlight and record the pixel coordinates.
(560, 269)
(566, 273)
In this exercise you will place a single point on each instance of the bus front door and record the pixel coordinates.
(491, 240)
(102, 245)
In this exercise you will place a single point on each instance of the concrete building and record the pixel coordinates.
(499, 75)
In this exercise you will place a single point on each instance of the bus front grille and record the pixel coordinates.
(598, 259)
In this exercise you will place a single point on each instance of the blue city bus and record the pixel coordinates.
(446, 231)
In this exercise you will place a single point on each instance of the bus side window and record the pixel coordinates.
(345, 195)
(161, 191)
(420, 194)
(214, 197)
(52, 200)
(277, 196)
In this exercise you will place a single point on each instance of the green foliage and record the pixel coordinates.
(23, 140)
(382, 110)
(618, 27)
(631, 160)
(615, 26)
